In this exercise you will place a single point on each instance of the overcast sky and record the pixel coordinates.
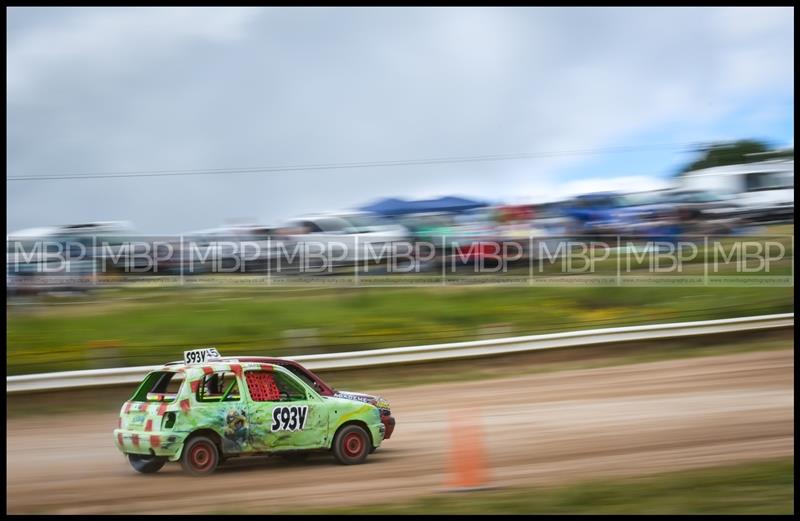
(113, 90)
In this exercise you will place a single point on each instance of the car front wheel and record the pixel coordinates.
(146, 464)
(351, 445)
(200, 456)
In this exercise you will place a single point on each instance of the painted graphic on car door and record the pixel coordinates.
(282, 414)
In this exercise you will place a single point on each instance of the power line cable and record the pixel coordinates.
(334, 166)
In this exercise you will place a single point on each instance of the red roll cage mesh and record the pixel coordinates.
(262, 386)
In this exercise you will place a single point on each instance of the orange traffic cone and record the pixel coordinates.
(467, 452)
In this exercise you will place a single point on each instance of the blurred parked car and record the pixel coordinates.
(62, 257)
(343, 239)
(240, 247)
(704, 206)
(602, 213)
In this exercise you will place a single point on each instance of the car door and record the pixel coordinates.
(218, 404)
(284, 414)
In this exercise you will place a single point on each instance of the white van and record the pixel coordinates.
(765, 189)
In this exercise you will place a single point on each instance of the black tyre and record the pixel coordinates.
(146, 464)
(351, 445)
(200, 456)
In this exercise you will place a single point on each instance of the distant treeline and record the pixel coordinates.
(734, 153)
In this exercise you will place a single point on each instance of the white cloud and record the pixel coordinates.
(211, 88)
(112, 39)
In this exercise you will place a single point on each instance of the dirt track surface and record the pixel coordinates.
(538, 429)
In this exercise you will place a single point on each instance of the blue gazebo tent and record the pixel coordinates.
(392, 206)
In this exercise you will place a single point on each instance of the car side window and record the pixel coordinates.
(331, 225)
(262, 386)
(220, 386)
(160, 386)
(267, 386)
(311, 227)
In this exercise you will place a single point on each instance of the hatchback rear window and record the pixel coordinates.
(159, 386)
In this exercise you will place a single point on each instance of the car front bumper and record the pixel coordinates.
(388, 425)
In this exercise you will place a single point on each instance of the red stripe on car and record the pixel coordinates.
(135, 440)
(185, 405)
(148, 426)
(195, 385)
(208, 370)
(162, 409)
(119, 439)
(155, 441)
(237, 369)
(127, 407)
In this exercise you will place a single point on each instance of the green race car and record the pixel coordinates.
(203, 413)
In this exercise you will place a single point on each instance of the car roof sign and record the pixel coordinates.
(201, 355)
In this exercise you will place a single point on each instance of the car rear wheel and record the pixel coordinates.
(351, 445)
(200, 456)
(146, 464)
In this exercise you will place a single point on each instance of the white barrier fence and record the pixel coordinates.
(415, 354)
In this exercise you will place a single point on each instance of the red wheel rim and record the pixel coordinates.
(201, 457)
(353, 444)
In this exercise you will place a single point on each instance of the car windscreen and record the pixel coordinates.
(331, 224)
(304, 376)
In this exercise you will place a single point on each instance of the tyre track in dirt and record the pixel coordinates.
(539, 429)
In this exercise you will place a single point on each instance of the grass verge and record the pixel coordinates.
(118, 327)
